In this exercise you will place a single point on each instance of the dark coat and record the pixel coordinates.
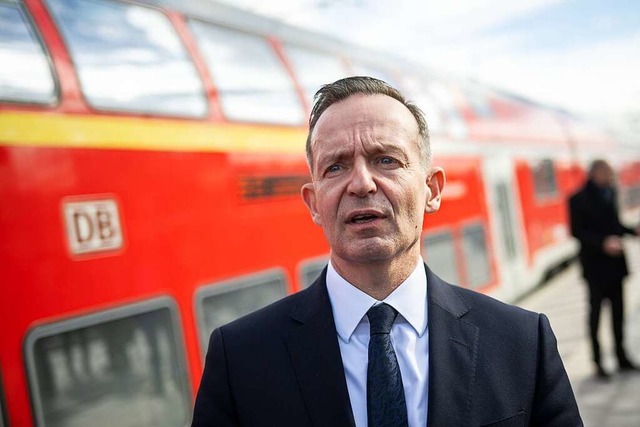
(489, 364)
(593, 218)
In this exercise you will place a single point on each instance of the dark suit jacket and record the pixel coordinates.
(489, 364)
(593, 218)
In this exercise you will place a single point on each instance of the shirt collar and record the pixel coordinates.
(350, 304)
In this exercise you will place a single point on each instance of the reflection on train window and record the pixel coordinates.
(446, 98)
(544, 179)
(440, 255)
(221, 303)
(121, 367)
(129, 57)
(479, 101)
(251, 81)
(476, 256)
(507, 219)
(25, 74)
(314, 69)
(310, 270)
(417, 90)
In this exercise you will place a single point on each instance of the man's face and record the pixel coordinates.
(370, 186)
(603, 176)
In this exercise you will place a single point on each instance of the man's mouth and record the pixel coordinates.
(364, 217)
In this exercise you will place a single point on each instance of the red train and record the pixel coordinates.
(150, 166)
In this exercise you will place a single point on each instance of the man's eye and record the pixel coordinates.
(333, 168)
(387, 161)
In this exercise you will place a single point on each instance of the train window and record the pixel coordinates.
(251, 81)
(479, 102)
(417, 90)
(129, 58)
(223, 302)
(631, 197)
(314, 69)
(25, 75)
(445, 97)
(506, 216)
(544, 179)
(476, 256)
(310, 270)
(441, 256)
(119, 367)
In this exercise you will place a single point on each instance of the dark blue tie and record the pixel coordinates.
(386, 406)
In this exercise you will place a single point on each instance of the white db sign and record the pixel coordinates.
(93, 226)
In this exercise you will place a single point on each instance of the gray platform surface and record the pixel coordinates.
(613, 403)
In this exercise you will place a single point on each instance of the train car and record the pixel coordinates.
(151, 159)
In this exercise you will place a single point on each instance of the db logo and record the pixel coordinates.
(93, 226)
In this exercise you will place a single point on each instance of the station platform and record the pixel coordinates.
(614, 402)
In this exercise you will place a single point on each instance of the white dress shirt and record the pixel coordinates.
(409, 336)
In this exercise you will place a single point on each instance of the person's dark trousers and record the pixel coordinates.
(598, 292)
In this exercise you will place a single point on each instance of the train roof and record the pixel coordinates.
(234, 17)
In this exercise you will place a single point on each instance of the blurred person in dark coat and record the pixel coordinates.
(595, 223)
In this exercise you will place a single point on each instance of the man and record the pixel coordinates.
(379, 339)
(595, 223)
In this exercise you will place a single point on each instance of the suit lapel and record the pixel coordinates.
(315, 355)
(453, 351)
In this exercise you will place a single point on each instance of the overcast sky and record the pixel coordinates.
(582, 55)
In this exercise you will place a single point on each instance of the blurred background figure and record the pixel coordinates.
(595, 223)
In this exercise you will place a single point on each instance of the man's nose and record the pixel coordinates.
(362, 180)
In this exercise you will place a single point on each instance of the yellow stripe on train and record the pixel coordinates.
(135, 133)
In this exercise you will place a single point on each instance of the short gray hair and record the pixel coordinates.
(342, 89)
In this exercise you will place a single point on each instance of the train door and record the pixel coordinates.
(506, 226)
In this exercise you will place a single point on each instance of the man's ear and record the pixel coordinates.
(309, 198)
(435, 182)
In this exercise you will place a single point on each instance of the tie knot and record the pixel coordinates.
(381, 317)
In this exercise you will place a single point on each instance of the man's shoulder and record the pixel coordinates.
(472, 305)
(502, 325)
(486, 307)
